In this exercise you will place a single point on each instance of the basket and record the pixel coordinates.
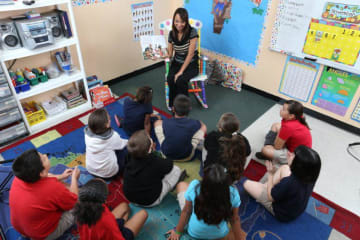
(34, 113)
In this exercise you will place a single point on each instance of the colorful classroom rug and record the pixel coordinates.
(65, 145)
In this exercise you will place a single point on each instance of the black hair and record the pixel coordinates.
(184, 17)
(297, 109)
(306, 164)
(182, 105)
(92, 196)
(144, 94)
(98, 121)
(213, 204)
(139, 144)
(228, 123)
(233, 155)
(28, 166)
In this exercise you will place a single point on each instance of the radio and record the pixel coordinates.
(34, 32)
(55, 24)
(8, 35)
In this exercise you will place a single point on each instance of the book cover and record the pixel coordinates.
(153, 47)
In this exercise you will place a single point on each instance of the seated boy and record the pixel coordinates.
(180, 135)
(39, 203)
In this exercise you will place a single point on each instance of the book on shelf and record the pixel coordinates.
(70, 93)
(153, 47)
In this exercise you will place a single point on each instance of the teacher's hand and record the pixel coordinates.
(177, 76)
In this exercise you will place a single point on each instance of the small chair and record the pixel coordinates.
(197, 84)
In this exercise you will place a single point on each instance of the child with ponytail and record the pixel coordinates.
(284, 137)
(227, 127)
(95, 221)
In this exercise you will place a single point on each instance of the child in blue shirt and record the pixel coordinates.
(180, 135)
(208, 206)
(137, 112)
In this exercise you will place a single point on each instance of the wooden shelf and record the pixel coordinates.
(6, 55)
(56, 119)
(62, 80)
(18, 5)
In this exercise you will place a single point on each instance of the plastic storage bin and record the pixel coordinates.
(11, 133)
(7, 103)
(2, 78)
(4, 90)
(36, 115)
(9, 117)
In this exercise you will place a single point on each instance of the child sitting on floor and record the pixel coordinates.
(147, 176)
(180, 135)
(227, 126)
(138, 112)
(40, 205)
(208, 206)
(105, 153)
(95, 221)
(291, 133)
(288, 189)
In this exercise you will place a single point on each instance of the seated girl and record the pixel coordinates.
(148, 177)
(138, 112)
(291, 133)
(208, 206)
(227, 126)
(288, 189)
(95, 221)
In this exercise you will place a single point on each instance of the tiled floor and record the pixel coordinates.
(339, 179)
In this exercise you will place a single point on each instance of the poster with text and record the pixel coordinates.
(142, 19)
(298, 78)
(335, 90)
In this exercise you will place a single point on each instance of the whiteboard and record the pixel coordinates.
(291, 26)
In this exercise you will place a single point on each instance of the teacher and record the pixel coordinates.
(182, 47)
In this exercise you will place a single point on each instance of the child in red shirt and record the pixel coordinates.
(39, 203)
(95, 221)
(292, 132)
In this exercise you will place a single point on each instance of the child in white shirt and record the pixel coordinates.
(105, 153)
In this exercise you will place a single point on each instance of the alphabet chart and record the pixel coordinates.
(335, 41)
(142, 19)
(298, 78)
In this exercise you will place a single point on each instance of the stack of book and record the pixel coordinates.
(72, 97)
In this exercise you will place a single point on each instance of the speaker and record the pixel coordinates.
(8, 35)
(55, 24)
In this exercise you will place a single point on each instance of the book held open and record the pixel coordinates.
(153, 47)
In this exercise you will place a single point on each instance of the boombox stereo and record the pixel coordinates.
(9, 38)
(34, 32)
(55, 24)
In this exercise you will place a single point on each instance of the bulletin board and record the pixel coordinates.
(299, 21)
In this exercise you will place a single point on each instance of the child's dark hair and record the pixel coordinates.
(28, 166)
(98, 121)
(228, 123)
(213, 204)
(92, 196)
(184, 17)
(306, 164)
(144, 94)
(297, 109)
(233, 155)
(139, 144)
(182, 105)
